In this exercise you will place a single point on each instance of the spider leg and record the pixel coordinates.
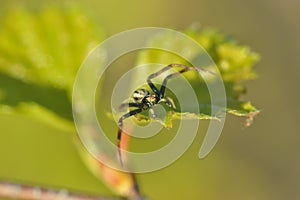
(151, 76)
(185, 69)
(160, 92)
(120, 129)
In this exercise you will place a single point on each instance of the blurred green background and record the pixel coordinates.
(258, 162)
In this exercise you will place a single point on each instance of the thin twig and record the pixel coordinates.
(23, 192)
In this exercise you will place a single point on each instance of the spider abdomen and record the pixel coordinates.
(139, 95)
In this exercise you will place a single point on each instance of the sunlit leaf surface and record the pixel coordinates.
(40, 53)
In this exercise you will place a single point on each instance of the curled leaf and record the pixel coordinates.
(121, 183)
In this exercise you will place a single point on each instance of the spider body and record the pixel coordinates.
(143, 100)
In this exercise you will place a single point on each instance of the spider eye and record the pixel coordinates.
(135, 98)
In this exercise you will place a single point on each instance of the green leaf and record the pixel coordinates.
(235, 63)
(45, 103)
(40, 53)
(46, 47)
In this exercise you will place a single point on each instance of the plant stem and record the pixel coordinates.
(22, 192)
